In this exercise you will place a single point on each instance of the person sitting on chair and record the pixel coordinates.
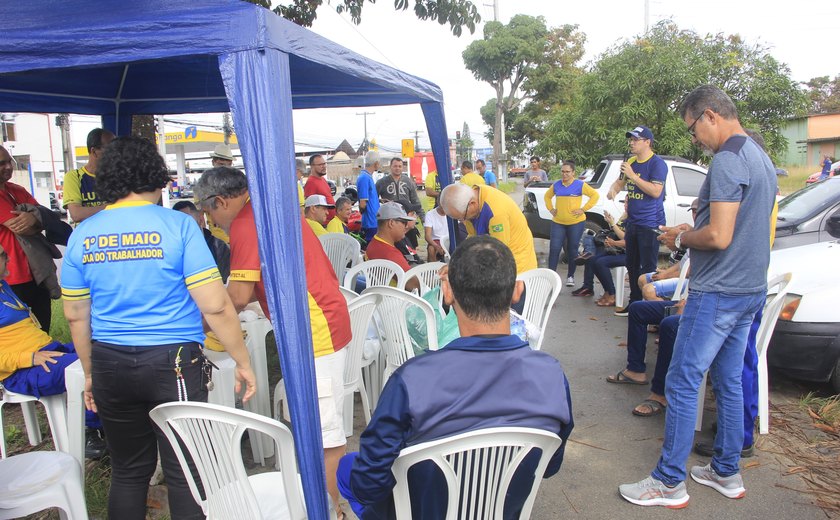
(31, 363)
(429, 398)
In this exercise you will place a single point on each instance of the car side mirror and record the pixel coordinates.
(834, 225)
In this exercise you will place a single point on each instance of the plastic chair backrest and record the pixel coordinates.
(212, 435)
(392, 307)
(542, 287)
(377, 273)
(681, 291)
(772, 308)
(361, 311)
(426, 274)
(341, 249)
(348, 294)
(479, 464)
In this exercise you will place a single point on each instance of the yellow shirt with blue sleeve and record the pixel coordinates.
(80, 188)
(568, 197)
(501, 218)
(19, 336)
(136, 262)
(473, 179)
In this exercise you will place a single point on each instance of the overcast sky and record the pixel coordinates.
(803, 35)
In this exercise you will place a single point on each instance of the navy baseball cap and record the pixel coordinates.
(640, 132)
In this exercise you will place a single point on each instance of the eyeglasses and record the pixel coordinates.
(466, 209)
(691, 128)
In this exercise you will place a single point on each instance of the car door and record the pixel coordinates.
(687, 181)
(830, 226)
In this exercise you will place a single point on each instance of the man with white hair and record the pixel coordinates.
(368, 197)
(488, 211)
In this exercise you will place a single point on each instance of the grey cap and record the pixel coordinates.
(317, 200)
(222, 151)
(392, 211)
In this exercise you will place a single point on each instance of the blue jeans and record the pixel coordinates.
(639, 316)
(564, 237)
(667, 336)
(600, 266)
(712, 336)
(641, 248)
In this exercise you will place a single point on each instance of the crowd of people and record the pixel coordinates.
(143, 285)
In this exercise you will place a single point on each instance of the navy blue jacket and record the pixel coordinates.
(472, 383)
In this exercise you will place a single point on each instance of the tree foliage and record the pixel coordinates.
(643, 82)
(458, 14)
(531, 68)
(824, 94)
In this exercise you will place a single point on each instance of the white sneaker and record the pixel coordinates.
(570, 281)
(652, 492)
(730, 487)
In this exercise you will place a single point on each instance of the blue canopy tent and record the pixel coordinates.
(117, 59)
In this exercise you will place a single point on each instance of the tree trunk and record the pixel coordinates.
(497, 131)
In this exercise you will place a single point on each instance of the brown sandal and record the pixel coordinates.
(609, 302)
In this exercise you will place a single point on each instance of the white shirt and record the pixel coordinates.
(436, 221)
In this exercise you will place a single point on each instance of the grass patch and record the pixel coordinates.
(795, 180)
(59, 330)
(825, 411)
(507, 186)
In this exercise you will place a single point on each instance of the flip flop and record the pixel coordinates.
(606, 303)
(621, 379)
(655, 406)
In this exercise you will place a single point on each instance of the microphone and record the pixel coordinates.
(626, 156)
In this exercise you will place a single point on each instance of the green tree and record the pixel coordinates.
(545, 89)
(824, 94)
(457, 13)
(504, 58)
(643, 82)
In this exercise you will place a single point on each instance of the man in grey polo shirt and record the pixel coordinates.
(730, 252)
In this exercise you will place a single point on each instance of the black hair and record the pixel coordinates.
(181, 204)
(480, 161)
(130, 165)
(312, 159)
(482, 274)
(535, 158)
(94, 138)
(395, 159)
(467, 164)
(708, 97)
(570, 164)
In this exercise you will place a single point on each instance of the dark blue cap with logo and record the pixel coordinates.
(640, 132)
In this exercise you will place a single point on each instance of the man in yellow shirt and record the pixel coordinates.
(469, 177)
(488, 211)
(315, 210)
(80, 197)
(343, 208)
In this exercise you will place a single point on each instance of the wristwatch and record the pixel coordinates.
(678, 241)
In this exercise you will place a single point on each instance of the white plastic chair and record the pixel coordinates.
(478, 467)
(376, 272)
(772, 308)
(54, 405)
(361, 310)
(681, 290)
(542, 287)
(342, 250)
(618, 275)
(39, 480)
(212, 436)
(348, 294)
(391, 312)
(426, 274)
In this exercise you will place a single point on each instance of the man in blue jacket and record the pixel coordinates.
(487, 378)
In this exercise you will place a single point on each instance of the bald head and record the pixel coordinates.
(456, 199)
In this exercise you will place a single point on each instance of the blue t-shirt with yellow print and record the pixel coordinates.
(642, 209)
(137, 261)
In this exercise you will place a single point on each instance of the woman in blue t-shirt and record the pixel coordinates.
(136, 280)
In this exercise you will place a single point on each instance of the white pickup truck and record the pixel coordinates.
(681, 188)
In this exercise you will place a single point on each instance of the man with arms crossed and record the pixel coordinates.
(729, 258)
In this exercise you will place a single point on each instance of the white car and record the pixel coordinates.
(806, 340)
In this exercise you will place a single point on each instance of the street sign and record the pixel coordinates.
(408, 148)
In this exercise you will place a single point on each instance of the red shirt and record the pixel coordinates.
(379, 249)
(328, 315)
(316, 185)
(18, 265)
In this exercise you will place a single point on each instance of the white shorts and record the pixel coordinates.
(329, 377)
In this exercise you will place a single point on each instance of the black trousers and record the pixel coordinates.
(128, 382)
(37, 298)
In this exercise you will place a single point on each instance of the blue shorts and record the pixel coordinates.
(664, 288)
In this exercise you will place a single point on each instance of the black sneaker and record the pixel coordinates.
(583, 291)
(707, 449)
(94, 444)
(582, 258)
(623, 312)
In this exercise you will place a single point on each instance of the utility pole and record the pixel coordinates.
(417, 139)
(227, 127)
(62, 121)
(647, 15)
(365, 114)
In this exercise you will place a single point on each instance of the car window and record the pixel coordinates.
(809, 201)
(688, 180)
(597, 176)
